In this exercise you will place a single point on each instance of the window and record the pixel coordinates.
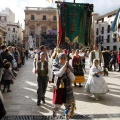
(13, 29)
(102, 30)
(114, 37)
(111, 15)
(97, 21)
(102, 19)
(108, 47)
(54, 18)
(32, 31)
(32, 17)
(44, 17)
(114, 47)
(108, 38)
(102, 39)
(108, 29)
(8, 29)
(97, 31)
(97, 40)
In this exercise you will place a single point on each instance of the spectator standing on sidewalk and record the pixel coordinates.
(106, 56)
(26, 54)
(1, 69)
(113, 60)
(8, 77)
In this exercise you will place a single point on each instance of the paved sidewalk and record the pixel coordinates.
(22, 99)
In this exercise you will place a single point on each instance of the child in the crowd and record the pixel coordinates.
(8, 77)
(63, 91)
(96, 84)
(42, 71)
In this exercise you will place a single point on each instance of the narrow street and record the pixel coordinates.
(22, 100)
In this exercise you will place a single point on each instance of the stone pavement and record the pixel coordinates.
(22, 99)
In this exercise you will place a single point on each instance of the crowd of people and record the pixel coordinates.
(62, 68)
(11, 60)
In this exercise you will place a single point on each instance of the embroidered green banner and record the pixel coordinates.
(75, 22)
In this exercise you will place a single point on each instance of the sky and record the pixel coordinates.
(18, 6)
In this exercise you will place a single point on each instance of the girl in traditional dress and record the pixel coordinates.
(78, 68)
(8, 77)
(63, 91)
(96, 84)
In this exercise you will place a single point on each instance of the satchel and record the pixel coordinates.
(19, 61)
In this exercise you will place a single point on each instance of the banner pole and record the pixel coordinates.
(74, 1)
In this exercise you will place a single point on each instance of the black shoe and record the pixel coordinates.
(43, 100)
(3, 90)
(75, 84)
(38, 103)
(9, 90)
(80, 85)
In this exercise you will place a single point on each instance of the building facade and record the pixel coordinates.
(7, 16)
(14, 34)
(102, 31)
(14, 31)
(37, 21)
(2, 34)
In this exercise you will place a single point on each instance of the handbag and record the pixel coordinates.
(14, 64)
(11, 82)
(19, 61)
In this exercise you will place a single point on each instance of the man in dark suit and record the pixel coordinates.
(106, 56)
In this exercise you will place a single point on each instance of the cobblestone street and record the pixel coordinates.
(22, 100)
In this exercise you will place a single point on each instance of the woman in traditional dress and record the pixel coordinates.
(78, 68)
(63, 91)
(96, 84)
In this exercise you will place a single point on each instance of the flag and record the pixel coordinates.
(115, 21)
